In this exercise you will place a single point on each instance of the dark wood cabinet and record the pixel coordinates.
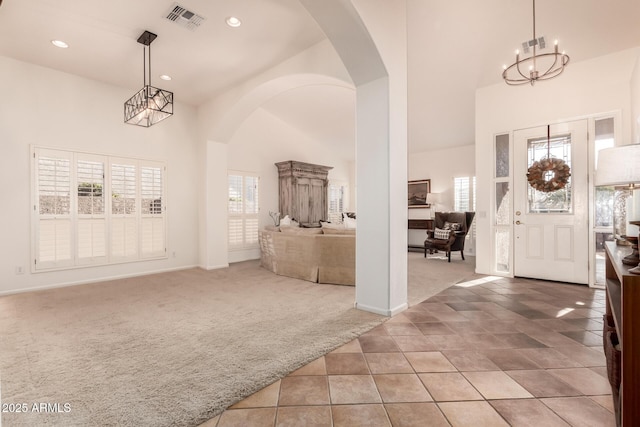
(623, 300)
(420, 224)
(302, 190)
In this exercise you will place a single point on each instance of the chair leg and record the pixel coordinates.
(449, 255)
(462, 253)
(425, 251)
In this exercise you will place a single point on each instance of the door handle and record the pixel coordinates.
(518, 222)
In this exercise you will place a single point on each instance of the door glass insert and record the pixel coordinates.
(502, 156)
(503, 203)
(503, 244)
(538, 150)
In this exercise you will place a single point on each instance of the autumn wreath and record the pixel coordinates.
(536, 174)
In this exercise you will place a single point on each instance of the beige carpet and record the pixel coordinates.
(175, 348)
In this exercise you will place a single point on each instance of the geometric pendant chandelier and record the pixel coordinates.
(149, 105)
(538, 66)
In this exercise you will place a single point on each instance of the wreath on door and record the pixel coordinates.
(538, 176)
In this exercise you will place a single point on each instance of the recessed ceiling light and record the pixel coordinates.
(234, 22)
(59, 43)
(165, 77)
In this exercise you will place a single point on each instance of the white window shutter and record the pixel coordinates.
(251, 231)
(235, 194)
(91, 209)
(124, 238)
(91, 239)
(235, 232)
(152, 222)
(53, 228)
(91, 235)
(124, 220)
(243, 210)
(54, 242)
(250, 195)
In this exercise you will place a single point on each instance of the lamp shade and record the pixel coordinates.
(618, 166)
(433, 197)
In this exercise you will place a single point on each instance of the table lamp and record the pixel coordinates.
(620, 166)
(433, 199)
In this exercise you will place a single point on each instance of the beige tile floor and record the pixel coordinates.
(493, 352)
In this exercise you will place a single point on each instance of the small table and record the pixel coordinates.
(419, 224)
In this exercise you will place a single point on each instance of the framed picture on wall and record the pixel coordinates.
(418, 193)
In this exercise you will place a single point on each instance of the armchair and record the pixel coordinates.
(457, 224)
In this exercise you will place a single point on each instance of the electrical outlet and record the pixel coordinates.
(19, 269)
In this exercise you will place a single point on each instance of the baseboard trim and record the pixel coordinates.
(384, 312)
(399, 309)
(97, 280)
(214, 267)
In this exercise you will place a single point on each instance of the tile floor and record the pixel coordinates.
(492, 352)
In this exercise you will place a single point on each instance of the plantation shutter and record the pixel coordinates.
(152, 211)
(336, 202)
(243, 210)
(91, 209)
(91, 238)
(464, 190)
(461, 194)
(235, 222)
(124, 219)
(53, 232)
(251, 211)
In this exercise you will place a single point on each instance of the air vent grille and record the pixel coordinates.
(183, 17)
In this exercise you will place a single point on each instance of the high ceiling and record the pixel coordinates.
(454, 48)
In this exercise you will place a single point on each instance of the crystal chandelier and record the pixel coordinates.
(150, 104)
(539, 66)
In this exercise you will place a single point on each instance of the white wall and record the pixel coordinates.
(222, 115)
(48, 108)
(263, 140)
(585, 88)
(440, 166)
(635, 103)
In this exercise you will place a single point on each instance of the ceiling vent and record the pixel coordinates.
(183, 17)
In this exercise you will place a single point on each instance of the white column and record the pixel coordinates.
(213, 211)
(371, 40)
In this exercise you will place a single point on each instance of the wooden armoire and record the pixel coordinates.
(303, 191)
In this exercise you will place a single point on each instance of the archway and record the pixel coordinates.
(381, 152)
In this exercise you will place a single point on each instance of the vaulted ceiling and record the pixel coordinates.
(454, 48)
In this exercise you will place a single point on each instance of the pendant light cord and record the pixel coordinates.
(145, 55)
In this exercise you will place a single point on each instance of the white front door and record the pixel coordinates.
(551, 228)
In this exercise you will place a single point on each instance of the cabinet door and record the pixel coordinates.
(303, 195)
(317, 201)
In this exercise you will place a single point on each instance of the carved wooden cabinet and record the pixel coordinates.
(303, 191)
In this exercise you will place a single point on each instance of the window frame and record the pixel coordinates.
(470, 184)
(243, 215)
(76, 218)
(341, 201)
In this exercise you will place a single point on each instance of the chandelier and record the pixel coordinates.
(538, 66)
(150, 104)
